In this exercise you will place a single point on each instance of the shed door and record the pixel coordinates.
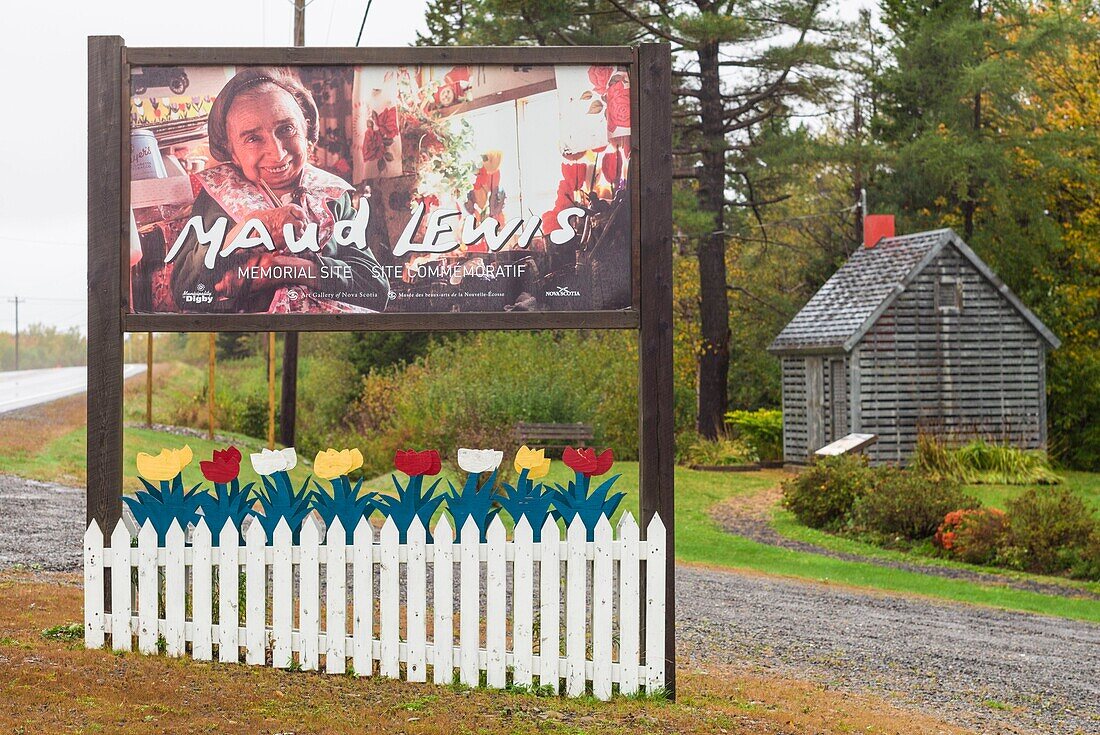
(815, 404)
(838, 401)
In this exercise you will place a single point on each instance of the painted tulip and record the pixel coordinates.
(534, 461)
(224, 467)
(332, 463)
(476, 461)
(414, 463)
(270, 461)
(586, 462)
(164, 466)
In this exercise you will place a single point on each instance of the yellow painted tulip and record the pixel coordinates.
(164, 466)
(332, 463)
(534, 461)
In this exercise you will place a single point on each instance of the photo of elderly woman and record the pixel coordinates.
(262, 126)
(321, 189)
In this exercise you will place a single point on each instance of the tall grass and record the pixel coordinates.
(983, 463)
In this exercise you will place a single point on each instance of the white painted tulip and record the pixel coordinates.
(477, 461)
(270, 461)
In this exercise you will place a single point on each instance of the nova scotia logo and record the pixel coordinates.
(563, 291)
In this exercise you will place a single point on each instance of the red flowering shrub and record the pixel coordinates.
(973, 535)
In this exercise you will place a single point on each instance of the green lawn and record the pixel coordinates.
(63, 458)
(1084, 484)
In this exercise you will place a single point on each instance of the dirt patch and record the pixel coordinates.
(57, 686)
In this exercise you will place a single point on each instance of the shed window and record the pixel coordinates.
(949, 296)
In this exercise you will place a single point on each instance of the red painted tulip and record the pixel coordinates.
(587, 462)
(414, 463)
(225, 466)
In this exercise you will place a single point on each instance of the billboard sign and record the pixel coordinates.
(399, 188)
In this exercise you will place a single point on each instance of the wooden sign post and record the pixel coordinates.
(111, 65)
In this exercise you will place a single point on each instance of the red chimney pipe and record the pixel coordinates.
(876, 227)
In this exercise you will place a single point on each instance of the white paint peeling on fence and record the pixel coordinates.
(602, 604)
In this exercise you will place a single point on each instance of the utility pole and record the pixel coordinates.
(16, 302)
(289, 398)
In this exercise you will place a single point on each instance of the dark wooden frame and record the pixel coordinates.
(109, 63)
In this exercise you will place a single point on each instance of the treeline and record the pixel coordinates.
(978, 115)
(42, 346)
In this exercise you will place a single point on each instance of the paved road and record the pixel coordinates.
(22, 388)
(992, 670)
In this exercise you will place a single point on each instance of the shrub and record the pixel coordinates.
(907, 504)
(1052, 528)
(981, 462)
(974, 535)
(1087, 563)
(721, 451)
(472, 390)
(822, 496)
(762, 430)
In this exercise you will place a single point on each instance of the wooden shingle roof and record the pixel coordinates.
(842, 311)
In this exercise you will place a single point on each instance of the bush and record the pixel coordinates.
(907, 504)
(1052, 529)
(1087, 563)
(719, 452)
(472, 390)
(981, 462)
(973, 535)
(822, 495)
(762, 430)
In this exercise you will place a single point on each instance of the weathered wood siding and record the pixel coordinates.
(815, 404)
(794, 409)
(975, 371)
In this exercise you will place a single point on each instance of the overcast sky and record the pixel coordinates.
(43, 131)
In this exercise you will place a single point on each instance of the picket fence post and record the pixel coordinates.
(416, 581)
(93, 586)
(629, 609)
(121, 589)
(229, 580)
(469, 636)
(389, 601)
(496, 626)
(603, 597)
(362, 598)
(202, 646)
(336, 601)
(550, 605)
(522, 601)
(282, 605)
(148, 588)
(576, 607)
(443, 602)
(174, 591)
(655, 605)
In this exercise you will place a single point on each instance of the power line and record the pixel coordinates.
(363, 25)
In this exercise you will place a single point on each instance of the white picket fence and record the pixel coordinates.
(602, 627)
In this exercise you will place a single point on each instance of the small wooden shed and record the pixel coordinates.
(914, 333)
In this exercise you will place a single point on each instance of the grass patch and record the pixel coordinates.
(1084, 484)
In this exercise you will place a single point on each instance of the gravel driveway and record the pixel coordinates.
(995, 671)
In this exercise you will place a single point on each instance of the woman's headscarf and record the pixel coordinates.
(246, 80)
